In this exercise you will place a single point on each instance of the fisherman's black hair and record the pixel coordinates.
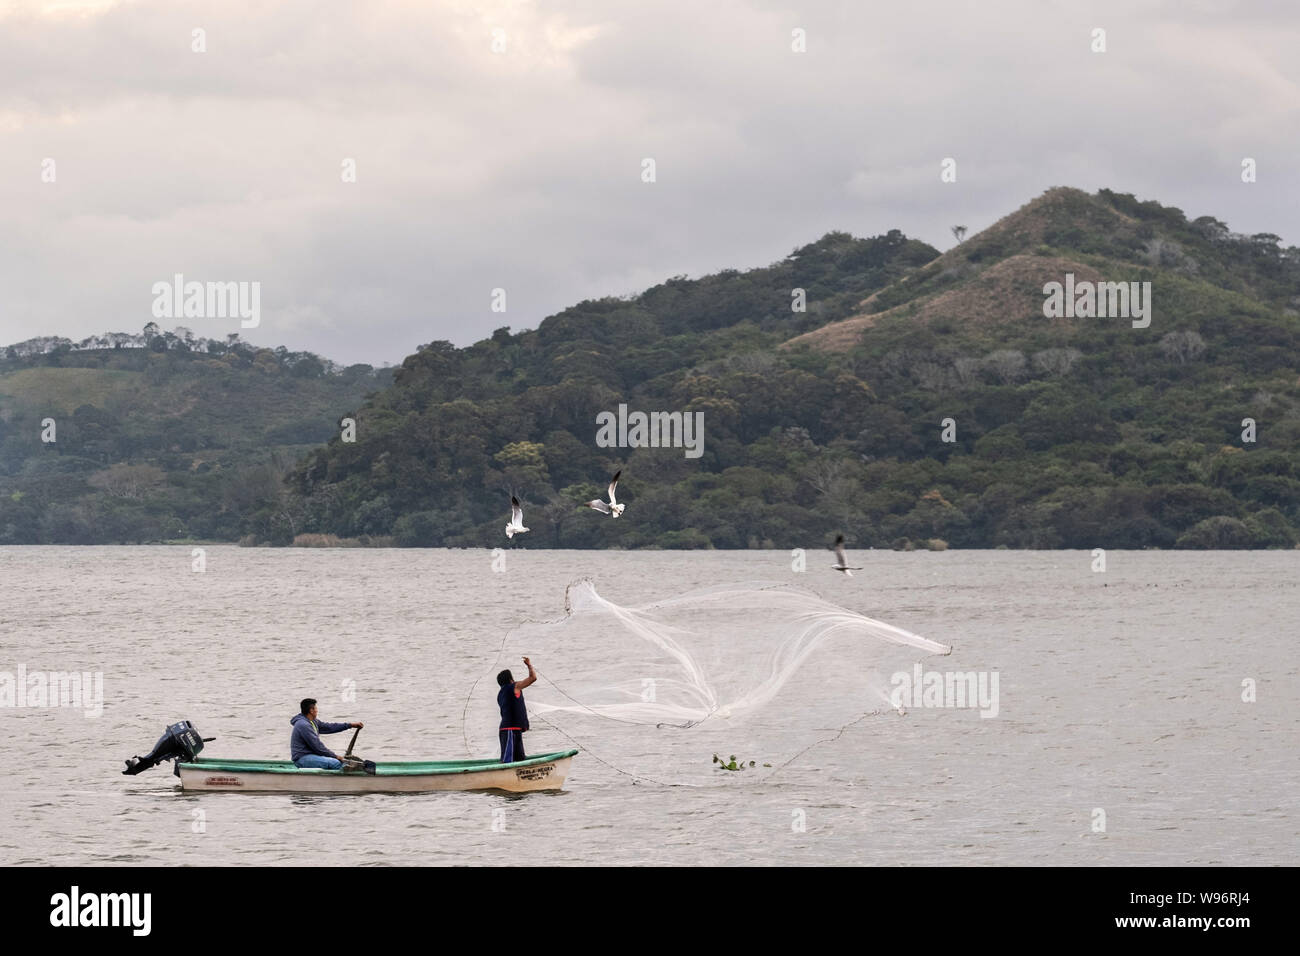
(307, 704)
(505, 677)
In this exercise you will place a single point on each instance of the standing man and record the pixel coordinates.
(305, 747)
(514, 715)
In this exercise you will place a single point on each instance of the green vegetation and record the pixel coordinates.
(160, 441)
(1067, 433)
(731, 763)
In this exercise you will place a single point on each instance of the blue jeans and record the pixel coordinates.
(313, 761)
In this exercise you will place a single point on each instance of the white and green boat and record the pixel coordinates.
(546, 772)
(182, 743)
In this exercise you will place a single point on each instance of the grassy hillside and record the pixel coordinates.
(1067, 432)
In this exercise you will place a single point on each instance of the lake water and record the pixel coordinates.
(1120, 693)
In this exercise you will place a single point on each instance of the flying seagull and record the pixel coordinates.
(841, 560)
(613, 509)
(516, 525)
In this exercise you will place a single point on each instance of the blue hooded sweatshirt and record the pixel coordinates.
(305, 739)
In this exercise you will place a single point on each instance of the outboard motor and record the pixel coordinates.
(180, 742)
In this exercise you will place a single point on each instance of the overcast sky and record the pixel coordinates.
(522, 169)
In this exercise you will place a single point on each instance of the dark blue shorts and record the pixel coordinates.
(512, 745)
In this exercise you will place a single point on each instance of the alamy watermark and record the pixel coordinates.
(75, 908)
(1101, 300)
(83, 689)
(653, 430)
(956, 689)
(208, 300)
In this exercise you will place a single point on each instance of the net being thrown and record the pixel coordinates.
(717, 654)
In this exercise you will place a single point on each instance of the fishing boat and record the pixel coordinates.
(546, 772)
(182, 743)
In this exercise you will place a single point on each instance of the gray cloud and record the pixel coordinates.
(521, 170)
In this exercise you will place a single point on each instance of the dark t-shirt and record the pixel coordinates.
(513, 711)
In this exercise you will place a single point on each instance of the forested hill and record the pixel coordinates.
(159, 436)
(870, 386)
(438, 455)
(919, 400)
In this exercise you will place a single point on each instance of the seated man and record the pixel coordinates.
(305, 748)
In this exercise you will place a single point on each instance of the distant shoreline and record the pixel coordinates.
(352, 544)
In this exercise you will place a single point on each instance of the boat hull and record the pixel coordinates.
(545, 772)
